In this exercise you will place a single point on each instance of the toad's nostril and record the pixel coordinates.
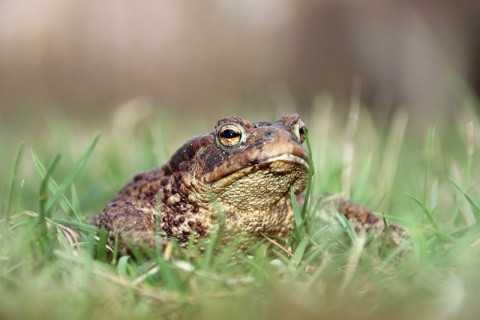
(271, 135)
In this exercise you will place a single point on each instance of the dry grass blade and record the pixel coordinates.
(276, 244)
(137, 281)
(169, 300)
(158, 294)
(309, 268)
(352, 263)
(72, 236)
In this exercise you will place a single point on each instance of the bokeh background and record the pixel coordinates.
(387, 88)
(87, 58)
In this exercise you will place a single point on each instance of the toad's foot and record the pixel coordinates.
(361, 219)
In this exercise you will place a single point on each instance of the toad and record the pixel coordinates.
(238, 176)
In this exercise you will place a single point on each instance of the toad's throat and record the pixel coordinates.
(261, 186)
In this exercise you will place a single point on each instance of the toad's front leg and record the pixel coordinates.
(131, 223)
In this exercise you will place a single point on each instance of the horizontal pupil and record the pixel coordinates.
(229, 133)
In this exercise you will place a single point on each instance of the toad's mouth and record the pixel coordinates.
(287, 158)
(275, 158)
(275, 167)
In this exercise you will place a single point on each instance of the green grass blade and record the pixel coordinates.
(13, 180)
(470, 200)
(298, 217)
(76, 203)
(73, 175)
(311, 172)
(46, 238)
(428, 162)
(59, 190)
(313, 216)
(80, 226)
(169, 275)
(217, 236)
(52, 185)
(102, 245)
(425, 210)
(346, 225)
(42, 197)
(19, 196)
(299, 251)
(123, 266)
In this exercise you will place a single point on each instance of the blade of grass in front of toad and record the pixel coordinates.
(42, 196)
(16, 165)
(311, 172)
(301, 214)
(73, 175)
(215, 237)
(102, 245)
(46, 239)
(124, 268)
(299, 239)
(347, 226)
(52, 185)
(75, 200)
(169, 275)
(78, 225)
(313, 216)
(303, 221)
(300, 251)
(298, 230)
(59, 190)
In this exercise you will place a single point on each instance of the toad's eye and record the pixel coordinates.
(302, 133)
(229, 135)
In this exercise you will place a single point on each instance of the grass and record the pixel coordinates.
(422, 178)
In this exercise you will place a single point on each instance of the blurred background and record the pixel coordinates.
(88, 58)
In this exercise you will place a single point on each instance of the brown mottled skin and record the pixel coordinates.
(241, 170)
